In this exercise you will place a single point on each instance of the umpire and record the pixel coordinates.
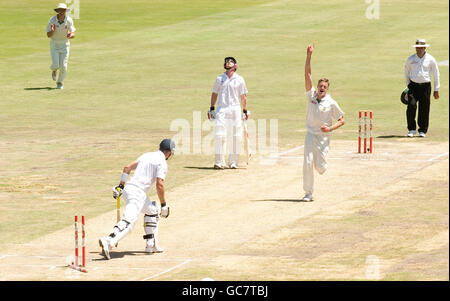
(419, 68)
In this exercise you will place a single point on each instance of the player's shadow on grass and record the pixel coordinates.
(210, 168)
(391, 136)
(39, 88)
(283, 200)
(121, 254)
(199, 167)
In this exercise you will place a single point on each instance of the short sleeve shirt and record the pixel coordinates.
(229, 90)
(321, 112)
(150, 166)
(61, 29)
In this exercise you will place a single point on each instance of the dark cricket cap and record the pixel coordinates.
(230, 58)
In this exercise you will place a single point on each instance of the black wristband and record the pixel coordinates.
(245, 111)
(121, 186)
(211, 108)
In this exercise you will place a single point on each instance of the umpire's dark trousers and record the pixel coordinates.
(418, 94)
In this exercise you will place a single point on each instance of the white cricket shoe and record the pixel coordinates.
(152, 247)
(233, 166)
(218, 166)
(54, 75)
(411, 133)
(104, 244)
(59, 86)
(422, 134)
(307, 198)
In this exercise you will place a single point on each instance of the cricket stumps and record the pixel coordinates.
(75, 265)
(363, 139)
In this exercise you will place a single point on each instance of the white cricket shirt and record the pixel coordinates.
(61, 29)
(321, 113)
(419, 70)
(229, 90)
(151, 166)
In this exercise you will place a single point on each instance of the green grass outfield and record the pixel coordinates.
(137, 65)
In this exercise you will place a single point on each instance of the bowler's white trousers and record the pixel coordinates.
(60, 58)
(315, 156)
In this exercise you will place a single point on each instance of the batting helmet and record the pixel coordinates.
(167, 144)
(403, 96)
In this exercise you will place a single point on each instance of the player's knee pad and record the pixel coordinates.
(235, 146)
(219, 145)
(150, 224)
(122, 228)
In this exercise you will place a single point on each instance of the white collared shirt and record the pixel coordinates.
(419, 70)
(229, 90)
(61, 29)
(321, 113)
(151, 166)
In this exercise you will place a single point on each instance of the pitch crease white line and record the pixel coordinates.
(438, 156)
(168, 270)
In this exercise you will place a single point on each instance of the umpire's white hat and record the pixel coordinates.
(63, 6)
(421, 43)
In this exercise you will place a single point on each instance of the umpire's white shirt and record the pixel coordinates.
(229, 90)
(61, 29)
(419, 70)
(150, 166)
(320, 113)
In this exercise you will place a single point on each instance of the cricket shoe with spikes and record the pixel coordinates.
(218, 166)
(104, 244)
(153, 247)
(307, 198)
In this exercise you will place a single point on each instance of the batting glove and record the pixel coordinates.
(117, 191)
(245, 114)
(211, 114)
(164, 211)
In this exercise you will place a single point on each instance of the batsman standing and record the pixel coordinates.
(148, 168)
(60, 29)
(231, 91)
(321, 110)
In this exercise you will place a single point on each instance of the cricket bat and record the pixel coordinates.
(118, 210)
(246, 142)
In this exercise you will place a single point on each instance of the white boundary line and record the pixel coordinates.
(168, 270)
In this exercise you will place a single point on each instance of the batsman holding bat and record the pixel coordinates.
(231, 91)
(321, 109)
(149, 168)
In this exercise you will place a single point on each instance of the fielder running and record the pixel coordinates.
(231, 90)
(149, 168)
(60, 30)
(321, 109)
